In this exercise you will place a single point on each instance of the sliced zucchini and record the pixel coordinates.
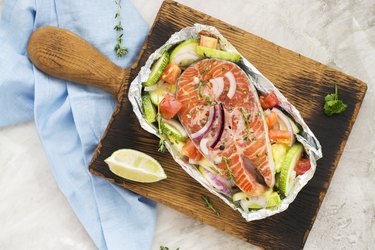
(185, 53)
(219, 54)
(295, 128)
(287, 173)
(279, 151)
(162, 88)
(157, 69)
(148, 108)
(173, 130)
(268, 199)
(240, 196)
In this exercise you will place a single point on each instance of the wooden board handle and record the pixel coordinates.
(63, 54)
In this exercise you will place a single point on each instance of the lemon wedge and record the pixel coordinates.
(135, 166)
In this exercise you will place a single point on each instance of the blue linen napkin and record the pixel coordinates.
(71, 118)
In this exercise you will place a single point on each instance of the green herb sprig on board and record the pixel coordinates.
(209, 205)
(332, 104)
(120, 50)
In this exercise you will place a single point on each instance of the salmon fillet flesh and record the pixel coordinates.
(222, 114)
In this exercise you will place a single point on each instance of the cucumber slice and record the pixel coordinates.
(287, 173)
(157, 69)
(148, 108)
(240, 196)
(295, 128)
(157, 95)
(173, 130)
(279, 151)
(162, 88)
(185, 53)
(268, 199)
(220, 54)
(273, 200)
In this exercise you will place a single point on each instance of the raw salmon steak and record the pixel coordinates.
(222, 114)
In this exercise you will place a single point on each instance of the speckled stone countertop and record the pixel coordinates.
(35, 215)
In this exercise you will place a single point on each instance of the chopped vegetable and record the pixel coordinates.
(247, 202)
(148, 109)
(207, 126)
(284, 124)
(221, 184)
(171, 73)
(279, 151)
(333, 105)
(169, 106)
(173, 130)
(271, 119)
(288, 174)
(191, 151)
(157, 69)
(303, 165)
(219, 54)
(208, 42)
(185, 53)
(280, 136)
(269, 101)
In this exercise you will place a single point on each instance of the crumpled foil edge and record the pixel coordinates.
(262, 84)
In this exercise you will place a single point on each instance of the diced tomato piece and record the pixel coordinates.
(207, 41)
(269, 101)
(272, 119)
(169, 106)
(191, 151)
(302, 166)
(171, 73)
(280, 136)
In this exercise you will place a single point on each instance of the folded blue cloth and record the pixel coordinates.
(71, 118)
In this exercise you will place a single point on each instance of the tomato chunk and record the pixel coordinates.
(269, 101)
(271, 119)
(302, 166)
(171, 73)
(280, 136)
(191, 151)
(169, 106)
(207, 41)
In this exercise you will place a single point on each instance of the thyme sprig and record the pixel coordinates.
(229, 170)
(120, 50)
(209, 204)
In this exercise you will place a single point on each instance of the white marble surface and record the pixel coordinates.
(35, 215)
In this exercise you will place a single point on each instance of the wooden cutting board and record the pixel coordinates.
(303, 81)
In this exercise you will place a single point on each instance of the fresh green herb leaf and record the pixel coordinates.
(332, 104)
(209, 205)
(120, 50)
(162, 140)
(230, 174)
(166, 248)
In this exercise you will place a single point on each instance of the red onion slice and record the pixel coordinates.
(217, 85)
(232, 84)
(221, 117)
(207, 126)
(284, 119)
(203, 146)
(220, 184)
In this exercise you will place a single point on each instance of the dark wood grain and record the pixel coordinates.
(303, 81)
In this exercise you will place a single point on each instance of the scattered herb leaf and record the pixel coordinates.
(166, 248)
(120, 50)
(230, 174)
(209, 204)
(332, 104)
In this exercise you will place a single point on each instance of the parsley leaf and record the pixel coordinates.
(333, 105)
